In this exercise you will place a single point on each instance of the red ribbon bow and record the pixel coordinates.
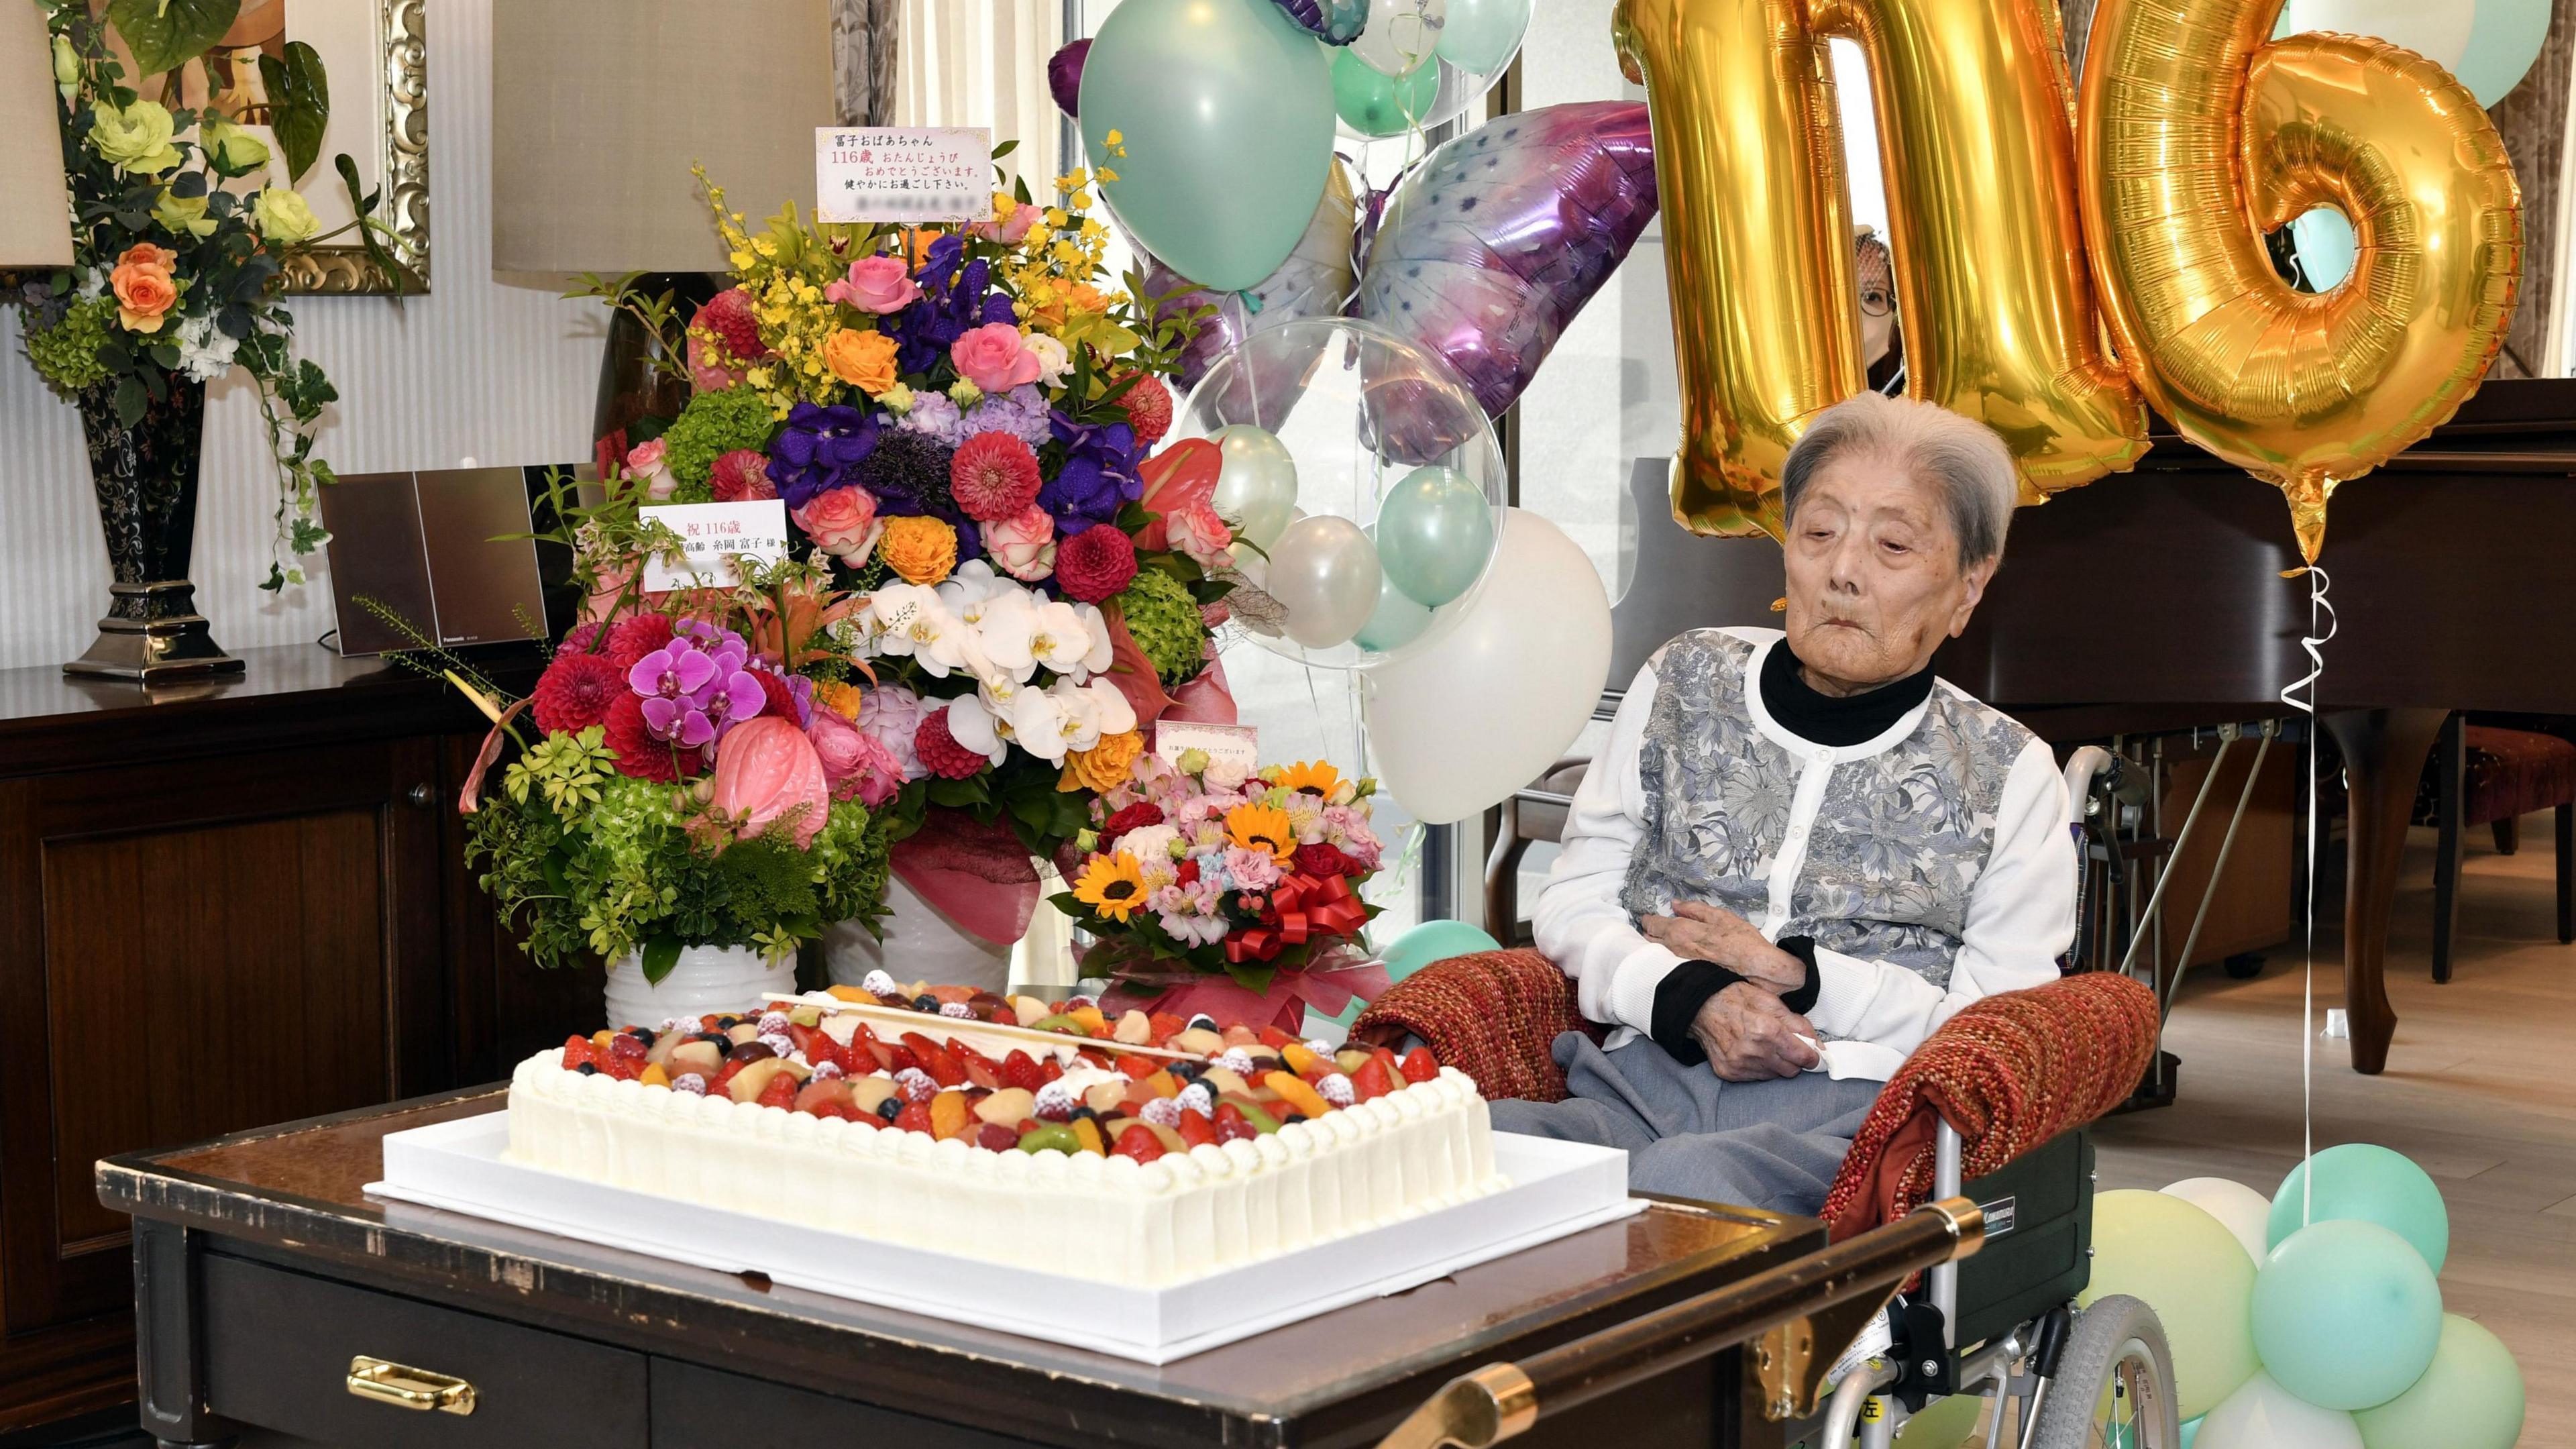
(1301, 907)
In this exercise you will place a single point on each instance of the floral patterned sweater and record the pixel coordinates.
(1932, 865)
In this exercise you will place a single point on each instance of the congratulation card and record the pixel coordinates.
(914, 175)
(712, 535)
(1235, 745)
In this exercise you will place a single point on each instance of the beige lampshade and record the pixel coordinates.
(35, 210)
(600, 106)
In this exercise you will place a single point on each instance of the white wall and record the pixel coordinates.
(496, 368)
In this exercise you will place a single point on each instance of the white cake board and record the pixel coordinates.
(1558, 1188)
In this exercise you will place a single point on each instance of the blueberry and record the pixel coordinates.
(891, 1107)
(926, 1002)
(1287, 1117)
(643, 1034)
(1202, 1022)
(719, 1038)
(1081, 1112)
(587, 1070)
(727, 1023)
(1184, 1072)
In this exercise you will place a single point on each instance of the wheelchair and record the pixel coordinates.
(2003, 1326)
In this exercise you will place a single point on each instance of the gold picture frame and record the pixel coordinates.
(399, 73)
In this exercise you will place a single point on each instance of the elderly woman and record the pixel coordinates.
(1800, 854)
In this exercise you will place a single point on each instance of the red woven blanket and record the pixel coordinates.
(2009, 1072)
(1490, 1015)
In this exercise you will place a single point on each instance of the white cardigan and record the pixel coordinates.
(2021, 913)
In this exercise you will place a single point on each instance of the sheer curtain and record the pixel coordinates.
(983, 63)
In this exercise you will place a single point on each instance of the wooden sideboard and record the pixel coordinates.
(222, 905)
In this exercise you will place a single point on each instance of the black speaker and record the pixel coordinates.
(447, 553)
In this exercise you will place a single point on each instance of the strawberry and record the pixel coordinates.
(1372, 1080)
(1051, 1069)
(1021, 1070)
(996, 1139)
(1274, 1038)
(915, 1117)
(725, 1076)
(1165, 1026)
(897, 1058)
(943, 1068)
(1418, 1065)
(816, 1047)
(1138, 1142)
(1237, 1130)
(627, 1044)
(1225, 1112)
(1199, 1131)
(623, 1068)
(1092, 1059)
(781, 1091)
(576, 1053)
(1138, 1068)
(980, 1070)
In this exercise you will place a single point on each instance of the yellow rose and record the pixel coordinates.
(234, 151)
(919, 550)
(66, 67)
(135, 140)
(864, 360)
(282, 216)
(182, 215)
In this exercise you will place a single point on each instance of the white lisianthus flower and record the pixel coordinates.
(1151, 842)
(205, 353)
(970, 725)
(1104, 648)
(1039, 724)
(1063, 640)
(1053, 359)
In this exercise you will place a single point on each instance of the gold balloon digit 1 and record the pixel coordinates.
(1998, 315)
(2303, 389)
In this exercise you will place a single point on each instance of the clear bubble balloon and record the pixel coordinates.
(1402, 35)
(1374, 104)
(1358, 409)
(1478, 41)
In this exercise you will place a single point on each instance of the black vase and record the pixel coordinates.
(146, 476)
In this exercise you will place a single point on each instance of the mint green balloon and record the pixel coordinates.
(1224, 115)
(2327, 247)
(2372, 1184)
(2183, 1263)
(1376, 104)
(2346, 1315)
(2190, 1431)
(1435, 534)
(1481, 35)
(1434, 941)
(2504, 41)
(2471, 1398)
(1397, 622)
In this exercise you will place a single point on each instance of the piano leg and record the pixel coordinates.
(2383, 755)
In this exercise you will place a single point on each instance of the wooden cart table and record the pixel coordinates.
(263, 1272)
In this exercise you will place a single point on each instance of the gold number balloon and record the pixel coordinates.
(1974, 120)
(2198, 137)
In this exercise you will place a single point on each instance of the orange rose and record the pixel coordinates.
(864, 360)
(1104, 766)
(920, 550)
(144, 289)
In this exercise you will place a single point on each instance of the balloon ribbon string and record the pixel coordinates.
(2313, 644)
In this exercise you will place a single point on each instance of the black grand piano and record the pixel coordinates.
(2152, 601)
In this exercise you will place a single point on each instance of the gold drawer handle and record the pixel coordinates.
(409, 1388)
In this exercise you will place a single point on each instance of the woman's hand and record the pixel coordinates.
(1750, 1036)
(1698, 931)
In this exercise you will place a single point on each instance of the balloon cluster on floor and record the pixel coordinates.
(2313, 1319)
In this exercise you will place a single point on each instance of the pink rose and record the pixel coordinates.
(842, 522)
(995, 358)
(1195, 529)
(1010, 230)
(645, 461)
(855, 764)
(1023, 544)
(891, 716)
(767, 771)
(878, 284)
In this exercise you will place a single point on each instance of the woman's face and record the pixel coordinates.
(1875, 583)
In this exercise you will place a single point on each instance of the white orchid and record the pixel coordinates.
(1062, 640)
(978, 730)
(1117, 716)
(908, 620)
(1104, 648)
(1005, 626)
(1040, 725)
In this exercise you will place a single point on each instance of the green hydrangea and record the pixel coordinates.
(712, 425)
(1165, 622)
(66, 354)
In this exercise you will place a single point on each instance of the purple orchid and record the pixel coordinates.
(695, 688)
(1098, 477)
(820, 449)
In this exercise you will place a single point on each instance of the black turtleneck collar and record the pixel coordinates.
(1832, 721)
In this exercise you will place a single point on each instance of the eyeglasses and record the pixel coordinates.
(1876, 301)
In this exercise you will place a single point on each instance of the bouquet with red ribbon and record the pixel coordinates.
(1193, 878)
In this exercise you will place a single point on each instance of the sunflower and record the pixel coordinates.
(1111, 885)
(1262, 827)
(1319, 779)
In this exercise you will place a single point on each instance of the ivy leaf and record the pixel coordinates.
(299, 95)
(166, 34)
(660, 955)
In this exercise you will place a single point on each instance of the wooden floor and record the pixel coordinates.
(2480, 1090)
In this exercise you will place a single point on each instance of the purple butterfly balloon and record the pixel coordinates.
(1491, 245)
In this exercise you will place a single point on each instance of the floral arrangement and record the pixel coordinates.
(961, 424)
(180, 231)
(1191, 872)
(699, 777)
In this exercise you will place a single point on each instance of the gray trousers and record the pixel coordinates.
(1772, 1144)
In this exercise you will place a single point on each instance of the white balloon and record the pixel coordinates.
(2243, 1211)
(2439, 33)
(2264, 1415)
(1401, 35)
(1256, 483)
(1502, 682)
(1324, 571)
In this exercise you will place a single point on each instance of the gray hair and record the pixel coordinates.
(1959, 456)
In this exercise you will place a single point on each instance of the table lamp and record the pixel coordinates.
(35, 208)
(600, 107)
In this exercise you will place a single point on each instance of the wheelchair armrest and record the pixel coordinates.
(1490, 1014)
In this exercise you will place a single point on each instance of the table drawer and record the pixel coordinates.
(278, 1347)
(695, 1408)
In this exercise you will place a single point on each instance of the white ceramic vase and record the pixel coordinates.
(921, 943)
(706, 979)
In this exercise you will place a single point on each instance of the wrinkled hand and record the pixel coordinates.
(1700, 932)
(1750, 1036)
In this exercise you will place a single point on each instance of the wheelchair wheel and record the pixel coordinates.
(2114, 1383)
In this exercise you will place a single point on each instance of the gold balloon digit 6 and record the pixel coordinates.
(1973, 117)
(2198, 137)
